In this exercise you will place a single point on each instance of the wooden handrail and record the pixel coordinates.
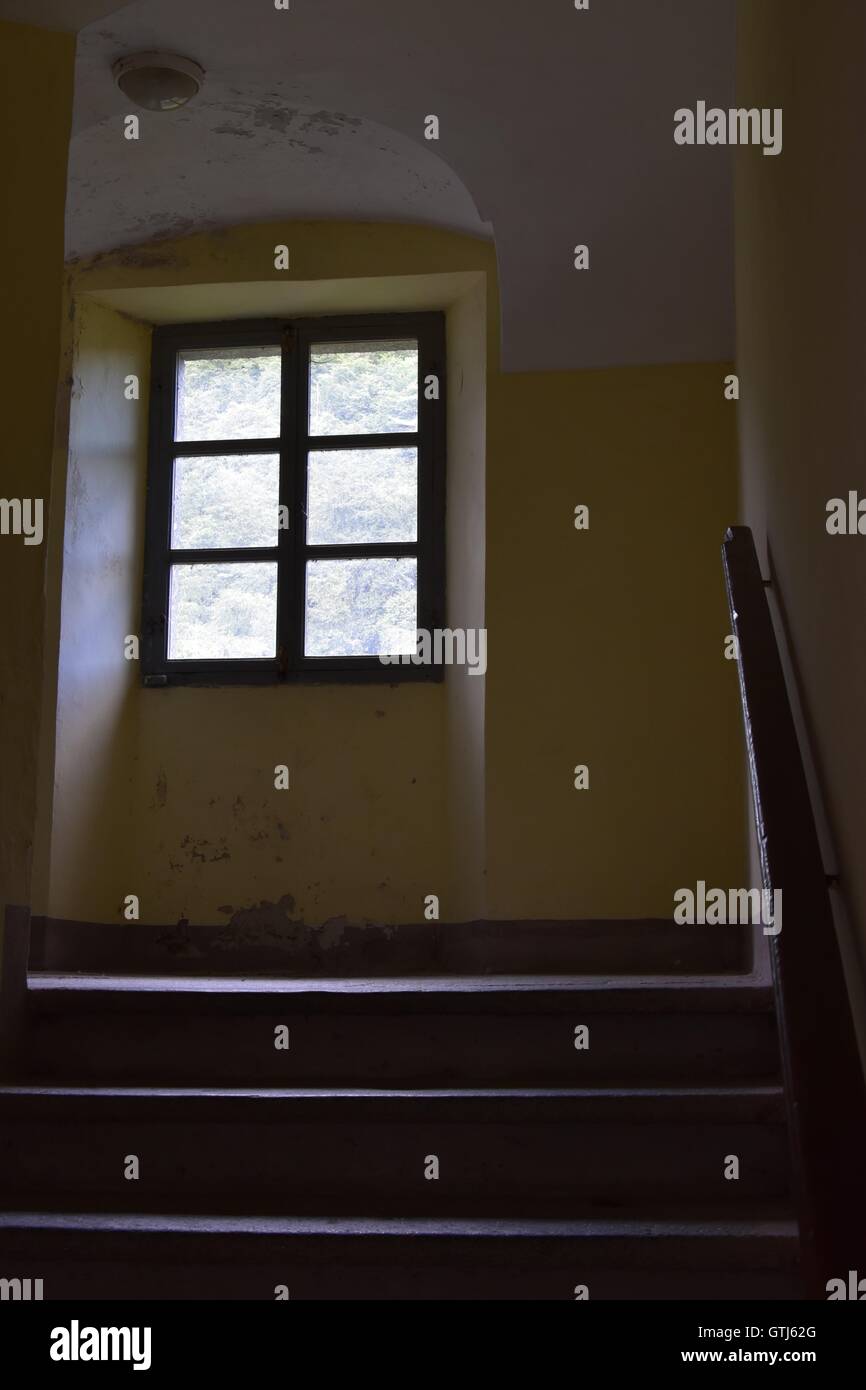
(13, 984)
(824, 1082)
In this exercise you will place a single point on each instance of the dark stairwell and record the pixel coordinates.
(551, 1128)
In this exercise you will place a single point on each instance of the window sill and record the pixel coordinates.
(242, 673)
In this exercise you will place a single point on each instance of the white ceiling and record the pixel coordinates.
(556, 129)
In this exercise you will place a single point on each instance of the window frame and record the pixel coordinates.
(292, 552)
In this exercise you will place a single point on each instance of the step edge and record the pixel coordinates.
(565, 1228)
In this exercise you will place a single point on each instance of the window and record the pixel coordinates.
(295, 512)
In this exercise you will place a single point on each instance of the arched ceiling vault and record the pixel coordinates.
(556, 128)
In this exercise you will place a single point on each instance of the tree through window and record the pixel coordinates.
(295, 498)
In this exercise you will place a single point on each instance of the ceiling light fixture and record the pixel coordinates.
(158, 81)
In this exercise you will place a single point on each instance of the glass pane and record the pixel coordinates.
(230, 500)
(222, 611)
(362, 495)
(355, 607)
(364, 388)
(228, 393)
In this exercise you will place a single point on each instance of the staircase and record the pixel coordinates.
(437, 1127)
(424, 1138)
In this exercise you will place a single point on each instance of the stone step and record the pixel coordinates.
(198, 1148)
(395, 1032)
(137, 1256)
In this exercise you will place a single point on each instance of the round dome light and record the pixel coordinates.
(158, 81)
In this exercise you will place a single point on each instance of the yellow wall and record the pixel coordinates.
(605, 647)
(801, 289)
(465, 581)
(96, 788)
(35, 106)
